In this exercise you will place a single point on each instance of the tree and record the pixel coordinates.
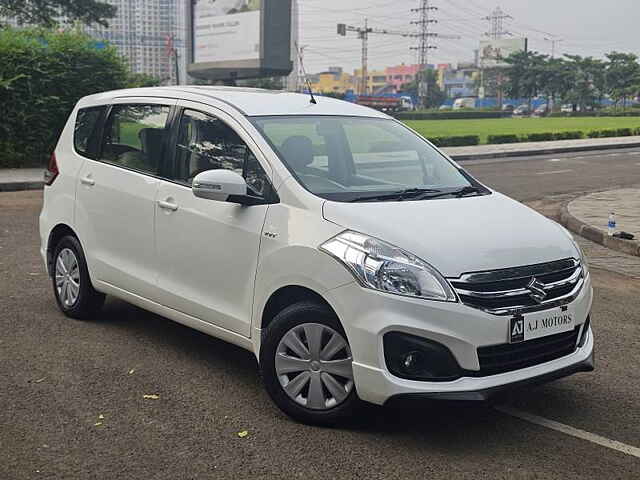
(43, 73)
(623, 76)
(525, 74)
(435, 96)
(46, 12)
(136, 80)
(556, 77)
(587, 83)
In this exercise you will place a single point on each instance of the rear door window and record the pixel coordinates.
(135, 137)
(86, 132)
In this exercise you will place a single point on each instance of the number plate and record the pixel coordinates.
(541, 324)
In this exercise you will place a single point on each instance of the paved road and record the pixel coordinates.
(536, 177)
(57, 377)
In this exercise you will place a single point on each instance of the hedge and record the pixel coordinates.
(450, 115)
(596, 113)
(456, 141)
(618, 132)
(508, 138)
(572, 135)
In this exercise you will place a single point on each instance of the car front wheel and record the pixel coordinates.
(305, 362)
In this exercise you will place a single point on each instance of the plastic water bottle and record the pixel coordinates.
(612, 224)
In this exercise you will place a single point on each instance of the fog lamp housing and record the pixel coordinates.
(415, 358)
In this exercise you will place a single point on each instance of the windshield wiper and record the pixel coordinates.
(400, 195)
(462, 192)
(468, 190)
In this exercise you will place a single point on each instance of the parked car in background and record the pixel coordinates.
(444, 107)
(508, 108)
(355, 260)
(522, 110)
(541, 110)
(460, 103)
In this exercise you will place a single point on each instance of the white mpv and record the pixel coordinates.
(351, 256)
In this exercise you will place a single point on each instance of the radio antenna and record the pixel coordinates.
(306, 78)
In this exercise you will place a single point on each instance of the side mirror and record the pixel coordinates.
(219, 185)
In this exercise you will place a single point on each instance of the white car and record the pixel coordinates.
(351, 256)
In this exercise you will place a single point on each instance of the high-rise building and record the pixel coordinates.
(149, 34)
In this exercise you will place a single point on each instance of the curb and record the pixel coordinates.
(20, 186)
(630, 247)
(545, 151)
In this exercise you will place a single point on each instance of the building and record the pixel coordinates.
(461, 81)
(401, 74)
(387, 80)
(334, 80)
(146, 32)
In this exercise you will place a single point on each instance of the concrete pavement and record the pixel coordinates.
(15, 179)
(588, 216)
(541, 148)
(72, 405)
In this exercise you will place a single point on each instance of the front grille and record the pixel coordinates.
(508, 291)
(514, 356)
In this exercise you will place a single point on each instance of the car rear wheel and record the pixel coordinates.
(72, 286)
(305, 362)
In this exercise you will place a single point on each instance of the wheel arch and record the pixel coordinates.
(58, 232)
(288, 295)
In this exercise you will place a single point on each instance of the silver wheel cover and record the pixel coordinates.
(313, 365)
(67, 277)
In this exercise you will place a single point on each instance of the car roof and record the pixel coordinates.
(248, 101)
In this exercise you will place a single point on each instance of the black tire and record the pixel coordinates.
(89, 301)
(290, 317)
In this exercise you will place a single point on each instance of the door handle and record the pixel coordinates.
(165, 205)
(88, 181)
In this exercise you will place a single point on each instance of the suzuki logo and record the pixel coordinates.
(536, 287)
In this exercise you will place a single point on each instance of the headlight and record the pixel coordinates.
(381, 266)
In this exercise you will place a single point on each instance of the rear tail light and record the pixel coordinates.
(51, 172)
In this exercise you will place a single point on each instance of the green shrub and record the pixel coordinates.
(625, 132)
(507, 138)
(450, 115)
(539, 137)
(568, 135)
(618, 132)
(43, 73)
(456, 141)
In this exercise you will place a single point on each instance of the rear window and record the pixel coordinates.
(85, 135)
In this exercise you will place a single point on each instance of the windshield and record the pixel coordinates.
(361, 158)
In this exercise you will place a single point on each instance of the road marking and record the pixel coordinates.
(554, 172)
(555, 159)
(574, 432)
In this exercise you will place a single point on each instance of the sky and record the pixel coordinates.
(586, 27)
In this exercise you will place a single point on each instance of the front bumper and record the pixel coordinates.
(367, 315)
(586, 365)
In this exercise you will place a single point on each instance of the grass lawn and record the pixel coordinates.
(499, 126)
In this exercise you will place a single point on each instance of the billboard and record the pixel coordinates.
(226, 30)
(234, 39)
(493, 52)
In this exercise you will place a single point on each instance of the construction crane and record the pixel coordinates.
(363, 34)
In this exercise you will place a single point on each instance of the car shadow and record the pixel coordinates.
(441, 421)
